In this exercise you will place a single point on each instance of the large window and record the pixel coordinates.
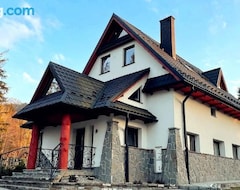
(105, 64)
(218, 147)
(129, 55)
(132, 136)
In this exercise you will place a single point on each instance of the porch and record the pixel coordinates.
(80, 157)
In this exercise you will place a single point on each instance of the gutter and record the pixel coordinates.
(185, 133)
(126, 163)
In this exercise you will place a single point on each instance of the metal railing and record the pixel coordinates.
(78, 157)
(16, 158)
(81, 156)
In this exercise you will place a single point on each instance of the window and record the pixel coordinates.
(235, 149)
(54, 87)
(105, 64)
(135, 96)
(129, 55)
(132, 137)
(213, 111)
(218, 147)
(191, 142)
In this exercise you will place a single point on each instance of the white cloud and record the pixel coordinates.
(58, 57)
(40, 61)
(28, 78)
(216, 24)
(15, 29)
(53, 23)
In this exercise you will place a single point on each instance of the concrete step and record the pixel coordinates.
(14, 187)
(31, 183)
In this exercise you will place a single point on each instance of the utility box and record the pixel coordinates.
(158, 159)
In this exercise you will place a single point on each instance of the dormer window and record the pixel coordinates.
(105, 64)
(129, 55)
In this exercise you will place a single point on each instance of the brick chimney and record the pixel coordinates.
(168, 36)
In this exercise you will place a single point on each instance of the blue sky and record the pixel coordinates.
(66, 32)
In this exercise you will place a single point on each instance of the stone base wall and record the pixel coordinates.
(204, 167)
(141, 166)
(174, 167)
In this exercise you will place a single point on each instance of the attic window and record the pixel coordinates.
(54, 87)
(123, 33)
(135, 96)
(105, 64)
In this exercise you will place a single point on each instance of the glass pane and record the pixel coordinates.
(129, 56)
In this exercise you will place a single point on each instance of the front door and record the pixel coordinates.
(78, 159)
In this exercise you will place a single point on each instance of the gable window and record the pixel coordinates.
(54, 87)
(129, 55)
(213, 111)
(132, 137)
(105, 64)
(135, 96)
(218, 147)
(236, 149)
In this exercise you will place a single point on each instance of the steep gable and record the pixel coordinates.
(81, 93)
(184, 76)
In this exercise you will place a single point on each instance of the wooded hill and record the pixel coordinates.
(11, 135)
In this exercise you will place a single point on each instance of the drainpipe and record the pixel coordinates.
(185, 133)
(126, 149)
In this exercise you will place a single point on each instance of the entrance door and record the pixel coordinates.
(78, 159)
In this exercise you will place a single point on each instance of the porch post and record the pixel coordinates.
(64, 140)
(32, 156)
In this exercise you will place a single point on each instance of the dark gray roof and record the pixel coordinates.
(212, 75)
(179, 68)
(84, 92)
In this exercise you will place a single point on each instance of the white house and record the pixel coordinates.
(137, 112)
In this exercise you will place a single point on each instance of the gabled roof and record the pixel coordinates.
(83, 92)
(215, 76)
(184, 74)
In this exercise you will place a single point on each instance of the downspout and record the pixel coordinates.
(185, 133)
(126, 149)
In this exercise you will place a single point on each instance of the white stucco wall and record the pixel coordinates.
(200, 122)
(51, 137)
(143, 60)
(161, 105)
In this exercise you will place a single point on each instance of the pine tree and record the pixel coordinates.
(3, 85)
(239, 93)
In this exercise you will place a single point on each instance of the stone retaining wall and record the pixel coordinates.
(141, 166)
(204, 167)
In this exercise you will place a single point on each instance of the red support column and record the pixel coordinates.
(32, 156)
(64, 140)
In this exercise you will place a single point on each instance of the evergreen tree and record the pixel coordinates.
(3, 85)
(239, 93)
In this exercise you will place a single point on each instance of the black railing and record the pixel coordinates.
(81, 156)
(78, 157)
(15, 159)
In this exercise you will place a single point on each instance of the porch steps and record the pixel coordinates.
(75, 179)
(28, 179)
